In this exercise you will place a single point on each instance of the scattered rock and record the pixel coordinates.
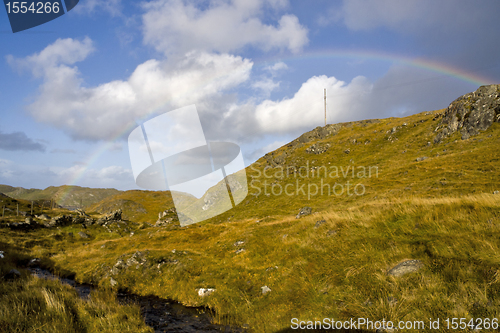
(265, 290)
(319, 223)
(317, 148)
(112, 282)
(405, 267)
(44, 217)
(2, 254)
(347, 151)
(304, 211)
(83, 235)
(239, 251)
(271, 268)
(238, 243)
(420, 159)
(12, 275)
(496, 192)
(202, 292)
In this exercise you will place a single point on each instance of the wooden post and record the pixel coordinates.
(325, 106)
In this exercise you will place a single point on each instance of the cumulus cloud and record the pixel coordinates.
(19, 141)
(112, 109)
(306, 108)
(62, 52)
(174, 26)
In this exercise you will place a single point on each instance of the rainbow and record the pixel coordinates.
(445, 70)
(423, 63)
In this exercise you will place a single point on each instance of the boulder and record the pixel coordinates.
(83, 235)
(303, 212)
(13, 274)
(43, 217)
(202, 292)
(265, 290)
(405, 267)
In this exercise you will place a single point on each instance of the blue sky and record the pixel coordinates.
(72, 90)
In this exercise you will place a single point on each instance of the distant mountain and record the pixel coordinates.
(65, 196)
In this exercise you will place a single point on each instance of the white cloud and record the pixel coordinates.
(277, 67)
(112, 109)
(62, 52)
(176, 26)
(265, 85)
(306, 108)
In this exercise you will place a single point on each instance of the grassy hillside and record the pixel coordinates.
(66, 196)
(408, 198)
(137, 205)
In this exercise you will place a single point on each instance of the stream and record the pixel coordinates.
(161, 314)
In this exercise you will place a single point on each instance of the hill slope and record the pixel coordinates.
(65, 196)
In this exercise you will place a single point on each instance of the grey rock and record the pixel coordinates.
(202, 292)
(304, 211)
(471, 113)
(317, 148)
(112, 282)
(83, 235)
(44, 217)
(12, 275)
(420, 159)
(405, 267)
(60, 221)
(239, 243)
(496, 192)
(239, 251)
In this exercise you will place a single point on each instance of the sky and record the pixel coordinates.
(73, 89)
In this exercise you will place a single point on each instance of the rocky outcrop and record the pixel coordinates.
(319, 133)
(167, 217)
(61, 220)
(114, 216)
(471, 113)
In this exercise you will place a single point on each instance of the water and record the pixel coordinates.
(161, 314)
